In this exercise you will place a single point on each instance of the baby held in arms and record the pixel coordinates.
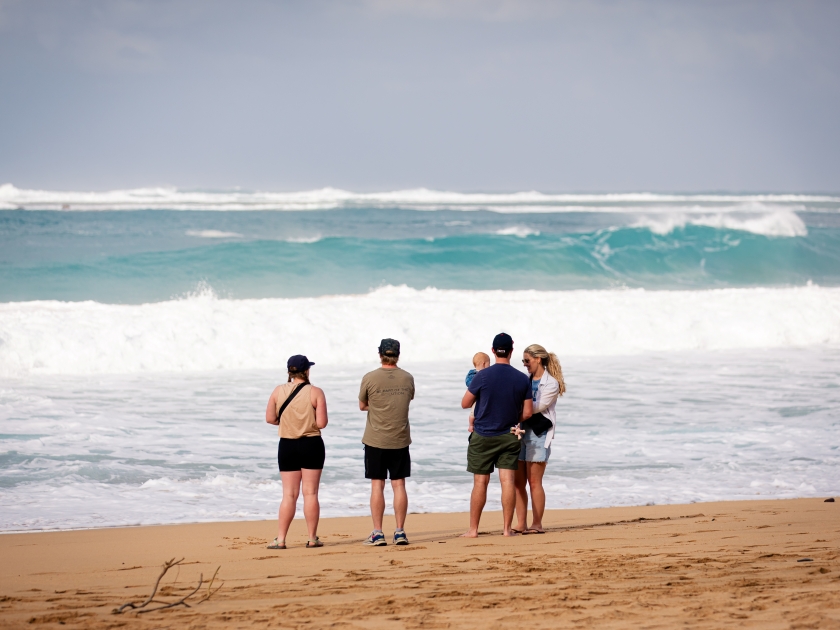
(480, 361)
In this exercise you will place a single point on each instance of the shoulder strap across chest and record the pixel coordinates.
(294, 393)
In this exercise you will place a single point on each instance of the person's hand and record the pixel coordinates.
(517, 431)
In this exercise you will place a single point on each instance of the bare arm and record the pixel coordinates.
(363, 396)
(468, 400)
(271, 409)
(527, 410)
(320, 404)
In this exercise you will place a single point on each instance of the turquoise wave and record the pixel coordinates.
(689, 257)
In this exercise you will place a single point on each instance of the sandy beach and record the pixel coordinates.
(708, 565)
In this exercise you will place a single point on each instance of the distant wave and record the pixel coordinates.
(782, 223)
(420, 198)
(212, 234)
(518, 230)
(682, 252)
(203, 332)
(306, 240)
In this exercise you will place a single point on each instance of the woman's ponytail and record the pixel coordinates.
(556, 371)
(293, 374)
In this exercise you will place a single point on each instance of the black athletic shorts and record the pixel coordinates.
(305, 452)
(380, 463)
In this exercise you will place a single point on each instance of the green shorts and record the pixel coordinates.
(485, 453)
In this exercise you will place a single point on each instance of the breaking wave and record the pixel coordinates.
(204, 332)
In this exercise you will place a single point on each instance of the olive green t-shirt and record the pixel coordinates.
(388, 393)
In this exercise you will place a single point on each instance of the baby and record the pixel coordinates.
(480, 361)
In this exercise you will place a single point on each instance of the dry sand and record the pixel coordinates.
(710, 565)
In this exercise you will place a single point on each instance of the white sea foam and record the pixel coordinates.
(203, 332)
(783, 223)
(213, 234)
(304, 239)
(676, 428)
(421, 198)
(521, 231)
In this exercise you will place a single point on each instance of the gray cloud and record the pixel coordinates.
(462, 95)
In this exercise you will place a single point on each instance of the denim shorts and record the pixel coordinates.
(533, 447)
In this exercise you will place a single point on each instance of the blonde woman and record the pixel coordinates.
(300, 410)
(547, 386)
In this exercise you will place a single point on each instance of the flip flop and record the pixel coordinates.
(276, 544)
(517, 531)
(531, 530)
(311, 544)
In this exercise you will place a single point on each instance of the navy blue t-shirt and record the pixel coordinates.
(500, 391)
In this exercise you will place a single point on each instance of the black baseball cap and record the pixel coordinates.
(298, 363)
(502, 341)
(389, 348)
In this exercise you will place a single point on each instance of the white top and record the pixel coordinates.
(548, 391)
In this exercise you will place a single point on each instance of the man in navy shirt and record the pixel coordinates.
(502, 397)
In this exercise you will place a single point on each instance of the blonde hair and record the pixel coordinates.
(480, 357)
(550, 363)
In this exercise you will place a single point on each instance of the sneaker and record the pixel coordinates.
(376, 539)
(400, 538)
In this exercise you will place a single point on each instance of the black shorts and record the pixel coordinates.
(305, 452)
(380, 463)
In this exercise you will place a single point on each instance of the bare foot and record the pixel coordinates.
(511, 532)
(469, 534)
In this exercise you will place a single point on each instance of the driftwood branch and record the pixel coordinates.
(210, 591)
(141, 608)
(132, 606)
(180, 602)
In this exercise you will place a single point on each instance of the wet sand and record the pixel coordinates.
(705, 565)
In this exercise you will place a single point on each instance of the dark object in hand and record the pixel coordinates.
(538, 423)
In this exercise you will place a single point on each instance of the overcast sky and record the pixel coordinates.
(457, 95)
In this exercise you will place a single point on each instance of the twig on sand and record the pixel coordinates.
(210, 591)
(181, 602)
(130, 605)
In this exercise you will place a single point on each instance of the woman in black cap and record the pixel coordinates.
(300, 410)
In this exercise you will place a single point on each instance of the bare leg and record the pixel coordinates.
(508, 481)
(521, 498)
(291, 492)
(377, 502)
(400, 501)
(311, 479)
(536, 470)
(478, 499)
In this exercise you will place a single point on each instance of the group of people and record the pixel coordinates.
(511, 428)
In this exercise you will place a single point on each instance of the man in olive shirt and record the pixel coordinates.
(385, 394)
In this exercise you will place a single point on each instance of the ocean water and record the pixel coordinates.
(142, 331)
